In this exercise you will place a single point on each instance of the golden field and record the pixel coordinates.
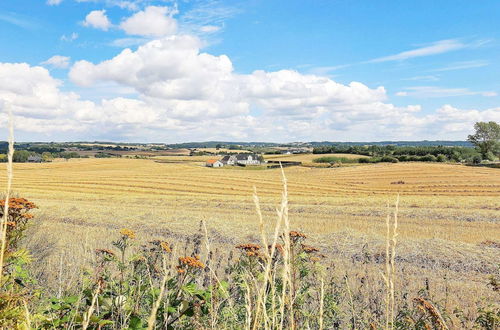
(438, 201)
(448, 223)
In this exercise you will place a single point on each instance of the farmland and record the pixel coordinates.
(445, 202)
(448, 217)
(449, 202)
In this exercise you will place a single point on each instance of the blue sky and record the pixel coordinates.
(273, 70)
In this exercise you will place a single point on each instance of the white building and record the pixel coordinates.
(214, 163)
(241, 159)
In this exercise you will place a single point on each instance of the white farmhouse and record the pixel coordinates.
(241, 159)
(214, 163)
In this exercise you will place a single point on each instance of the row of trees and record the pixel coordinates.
(21, 156)
(486, 141)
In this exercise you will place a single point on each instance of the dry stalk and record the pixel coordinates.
(88, 315)
(437, 319)
(213, 275)
(154, 310)
(321, 298)
(262, 298)
(390, 265)
(286, 275)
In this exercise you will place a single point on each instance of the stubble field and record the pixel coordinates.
(448, 215)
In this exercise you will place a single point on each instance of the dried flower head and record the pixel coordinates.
(127, 233)
(27, 215)
(309, 249)
(426, 307)
(165, 247)
(186, 263)
(250, 249)
(297, 235)
(278, 247)
(19, 203)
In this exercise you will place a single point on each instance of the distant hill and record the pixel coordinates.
(38, 146)
(398, 143)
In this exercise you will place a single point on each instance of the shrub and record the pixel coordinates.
(413, 159)
(441, 158)
(335, 159)
(389, 159)
(428, 158)
(489, 156)
(477, 159)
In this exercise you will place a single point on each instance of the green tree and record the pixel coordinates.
(20, 156)
(486, 138)
(47, 157)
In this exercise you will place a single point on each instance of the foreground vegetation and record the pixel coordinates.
(284, 284)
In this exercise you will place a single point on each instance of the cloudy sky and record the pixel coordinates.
(253, 70)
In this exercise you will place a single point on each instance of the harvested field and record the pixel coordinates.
(448, 220)
(308, 159)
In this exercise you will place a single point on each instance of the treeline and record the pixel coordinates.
(391, 153)
(23, 156)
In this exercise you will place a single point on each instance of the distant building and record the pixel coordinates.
(34, 159)
(241, 159)
(214, 163)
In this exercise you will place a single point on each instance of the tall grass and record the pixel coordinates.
(10, 174)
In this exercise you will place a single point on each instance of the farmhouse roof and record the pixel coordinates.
(225, 158)
(242, 156)
(212, 161)
(34, 158)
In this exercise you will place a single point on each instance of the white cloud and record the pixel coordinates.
(36, 99)
(151, 22)
(424, 78)
(129, 5)
(97, 19)
(207, 14)
(463, 65)
(434, 91)
(54, 2)
(58, 61)
(72, 37)
(169, 90)
(210, 28)
(438, 47)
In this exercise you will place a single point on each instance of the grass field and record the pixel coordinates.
(448, 220)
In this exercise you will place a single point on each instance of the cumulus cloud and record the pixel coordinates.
(179, 84)
(36, 100)
(97, 19)
(177, 92)
(58, 61)
(153, 21)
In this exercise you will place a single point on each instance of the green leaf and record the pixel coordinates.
(105, 322)
(189, 288)
(71, 299)
(135, 323)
